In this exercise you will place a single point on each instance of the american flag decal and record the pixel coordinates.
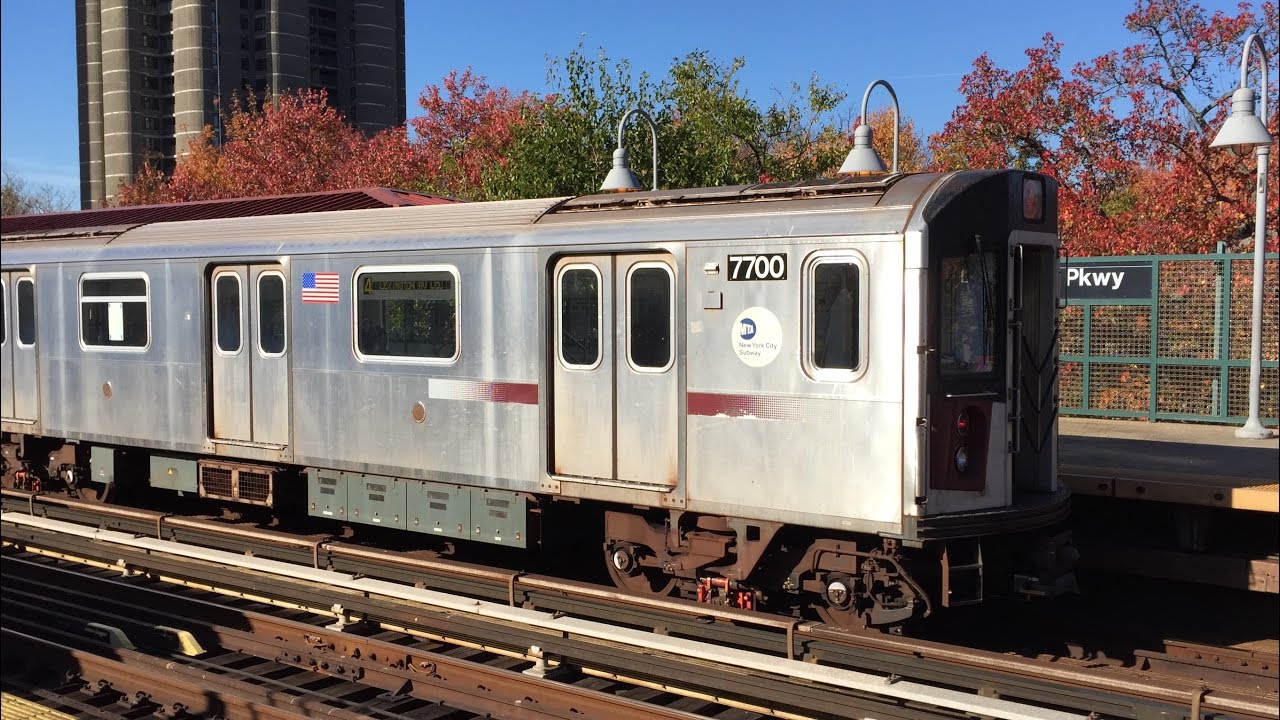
(319, 287)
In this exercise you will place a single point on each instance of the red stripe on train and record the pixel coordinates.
(509, 392)
(757, 406)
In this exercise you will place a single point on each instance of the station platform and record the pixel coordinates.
(1183, 463)
(14, 707)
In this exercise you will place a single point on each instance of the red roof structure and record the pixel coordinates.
(356, 199)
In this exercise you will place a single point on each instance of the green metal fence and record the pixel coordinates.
(1165, 337)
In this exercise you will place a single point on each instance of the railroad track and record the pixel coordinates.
(1058, 686)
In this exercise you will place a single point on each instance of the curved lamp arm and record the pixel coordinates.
(866, 95)
(1255, 41)
(620, 178)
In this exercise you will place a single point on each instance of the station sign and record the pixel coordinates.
(1105, 282)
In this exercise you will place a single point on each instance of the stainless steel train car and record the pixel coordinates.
(837, 395)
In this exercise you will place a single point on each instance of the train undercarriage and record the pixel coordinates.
(849, 580)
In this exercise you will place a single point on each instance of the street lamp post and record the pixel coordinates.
(863, 159)
(620, 177)
(1244, 130)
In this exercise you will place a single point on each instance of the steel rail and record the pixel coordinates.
(166, 685)
(1118, 692)
(399, 669)
(787, 688)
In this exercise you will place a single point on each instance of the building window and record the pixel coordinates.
(650, 316)
(26, 312)
(115, 310)
(579, 334)
(260, 24)
(407, 312)
(260, 45)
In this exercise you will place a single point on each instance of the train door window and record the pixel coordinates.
(271, 314)
(580, 316)
(836, 301)
(650, 313)
(226, 312)
(115, 311)
(407, 313)
(26, 312)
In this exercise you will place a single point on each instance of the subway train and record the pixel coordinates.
(836, 397)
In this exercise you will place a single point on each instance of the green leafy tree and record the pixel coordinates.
(710, 132)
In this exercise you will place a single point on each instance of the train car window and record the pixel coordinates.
(407, 313)
(649, 316)
(836, 333)
(226, 312)
(115, 310)
(4, 316)
(967, 311)
(26, 312)
(271, 314)
(580, 316)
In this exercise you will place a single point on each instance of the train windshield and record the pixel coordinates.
(968, 312)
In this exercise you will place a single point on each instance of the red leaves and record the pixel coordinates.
(467, 129)
(299, 143)
(1127, 134)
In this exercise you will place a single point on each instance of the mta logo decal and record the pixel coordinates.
(747, 329)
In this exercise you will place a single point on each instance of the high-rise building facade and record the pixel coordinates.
(153, 73)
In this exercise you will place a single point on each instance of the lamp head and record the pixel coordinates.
(1244, 130)
(862, 159)
(620, 177)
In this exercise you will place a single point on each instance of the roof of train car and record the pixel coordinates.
(496, 223)
(55, 223)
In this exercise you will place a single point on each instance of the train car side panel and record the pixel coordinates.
(125, 366)
(419, 390)
(772, 434)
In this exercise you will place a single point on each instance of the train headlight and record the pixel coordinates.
(962, 459)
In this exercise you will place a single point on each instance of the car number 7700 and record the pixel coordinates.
(758, 267)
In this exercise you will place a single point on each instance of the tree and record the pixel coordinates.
(18, 197)
(710, 132)
(1126, 135)
(293, 144)
(467, 130)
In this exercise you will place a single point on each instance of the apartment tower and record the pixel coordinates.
(153, 72)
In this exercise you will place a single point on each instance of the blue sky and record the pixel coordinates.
(922, 48)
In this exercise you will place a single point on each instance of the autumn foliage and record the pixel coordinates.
(1126, 135)
(298, 143)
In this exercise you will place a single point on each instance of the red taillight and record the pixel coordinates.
(959, 444)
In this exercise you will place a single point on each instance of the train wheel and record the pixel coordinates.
(837, 606)
(94, 492)
(622, 560)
